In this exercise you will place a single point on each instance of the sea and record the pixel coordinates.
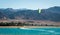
(29, 31)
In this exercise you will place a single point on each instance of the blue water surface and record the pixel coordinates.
(30, 31)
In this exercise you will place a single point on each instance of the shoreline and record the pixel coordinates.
(29, 26)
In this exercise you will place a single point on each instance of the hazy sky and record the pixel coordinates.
(29, 4)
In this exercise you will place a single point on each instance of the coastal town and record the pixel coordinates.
(27, 23)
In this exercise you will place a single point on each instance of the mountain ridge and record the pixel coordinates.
(52, 14)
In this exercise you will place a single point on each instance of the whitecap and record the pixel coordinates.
(32, 29)
(51, 31)
(23, 28)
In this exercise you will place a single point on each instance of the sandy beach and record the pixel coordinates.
(29, 26)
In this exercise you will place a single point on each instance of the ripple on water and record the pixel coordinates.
(30, 31)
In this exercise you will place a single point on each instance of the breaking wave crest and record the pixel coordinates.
(32, 29)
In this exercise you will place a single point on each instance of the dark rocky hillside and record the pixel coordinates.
(52, 14)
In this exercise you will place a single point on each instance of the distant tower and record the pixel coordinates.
(39, 10)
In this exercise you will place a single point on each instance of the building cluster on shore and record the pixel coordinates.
(23, 24)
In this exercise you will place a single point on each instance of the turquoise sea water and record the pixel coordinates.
(29, 31)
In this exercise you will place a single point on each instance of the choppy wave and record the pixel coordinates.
(49, 31)
(32, 29)
(35, 31)
(24, 28)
